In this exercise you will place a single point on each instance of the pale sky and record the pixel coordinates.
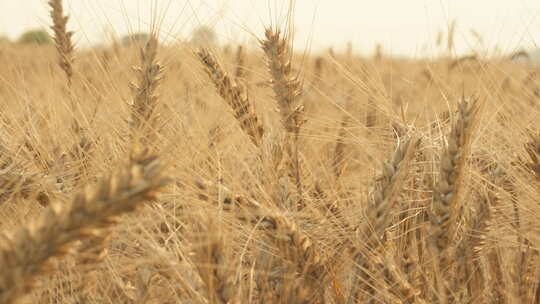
(402, 27)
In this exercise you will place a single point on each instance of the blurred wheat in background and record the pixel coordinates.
(195, 172)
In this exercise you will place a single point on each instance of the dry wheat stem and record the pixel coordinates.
(240, 71)
(339, 149)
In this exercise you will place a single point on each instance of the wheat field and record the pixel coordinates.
(156, 173)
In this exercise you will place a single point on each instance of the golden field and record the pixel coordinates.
(248, 174)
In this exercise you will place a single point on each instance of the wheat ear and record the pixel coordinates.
(445, 213)
(302, 273)
(28, 253)
(378, 213)
(242, 107)
(287, 89)
(145, 98)
(62, 38)
(391, 183)
(447, 192)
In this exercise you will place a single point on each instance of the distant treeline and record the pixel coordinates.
(201, 35)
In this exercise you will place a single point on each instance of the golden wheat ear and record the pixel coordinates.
(144, 119)
(29, 252)
(62, 38)
(447, 193)
(287, 88)
(378, 219)
(445, 214)
(235, 97)
(300, 274)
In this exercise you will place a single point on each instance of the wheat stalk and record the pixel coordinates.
(338, 161)
(240, 71)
